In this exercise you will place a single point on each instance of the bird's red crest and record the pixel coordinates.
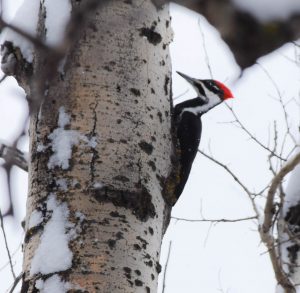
(227, 92)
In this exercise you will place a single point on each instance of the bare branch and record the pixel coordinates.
(228, 171)
(251, 195)
(275, 137)
(7, 247)
(241, 125)
(215, 220)
(180, 95)
(17, 280)
(283, 106)
(204, 48)
(220, 283)
(271, 211)
(34, 40)
(13, 156)
(3, 78)
(166, 267)
(52, 58)
(270, 78)
(43, 75)
(12, 256)
(277, 180)
(266, 237)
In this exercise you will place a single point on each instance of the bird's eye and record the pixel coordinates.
(213, 87)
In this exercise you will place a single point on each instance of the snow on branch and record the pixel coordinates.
(62, 142)
(22, 31)
(276, 181)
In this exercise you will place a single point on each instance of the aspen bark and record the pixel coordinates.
(112, 106)
(288, 225)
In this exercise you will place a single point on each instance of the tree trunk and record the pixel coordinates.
(288, 231)
(100, 152)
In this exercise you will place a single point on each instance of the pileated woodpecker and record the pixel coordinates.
(188, 124)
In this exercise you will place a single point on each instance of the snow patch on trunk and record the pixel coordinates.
(62, 142)
(53, 253)
(98, 185)
(53, 284)
(35, 219)
(62, 184)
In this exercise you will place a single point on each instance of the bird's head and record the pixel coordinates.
(210, 92)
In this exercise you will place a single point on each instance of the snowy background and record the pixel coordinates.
(205, 257)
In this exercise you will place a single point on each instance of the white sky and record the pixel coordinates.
(204, 257)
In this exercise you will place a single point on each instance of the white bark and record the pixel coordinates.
(289, 228)
(116, 91)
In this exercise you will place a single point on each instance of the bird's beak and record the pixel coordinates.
(186, 77)
(195, 83)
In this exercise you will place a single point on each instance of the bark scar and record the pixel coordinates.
(94, 151)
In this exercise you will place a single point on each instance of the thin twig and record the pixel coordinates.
(205, 49)
(3, 78)
(12, 256)
(166, 267)
(17, 280)
(215, 220)
(220, 283)
(250, 194)
(270, 78)
(6, 246)
(228, 171)
(266, 237)
(180, 95)
(275, 137)
(251, 135)
(207, 234)
(283, 106)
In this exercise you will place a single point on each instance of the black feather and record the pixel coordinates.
(189, 136)
(189, 128)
